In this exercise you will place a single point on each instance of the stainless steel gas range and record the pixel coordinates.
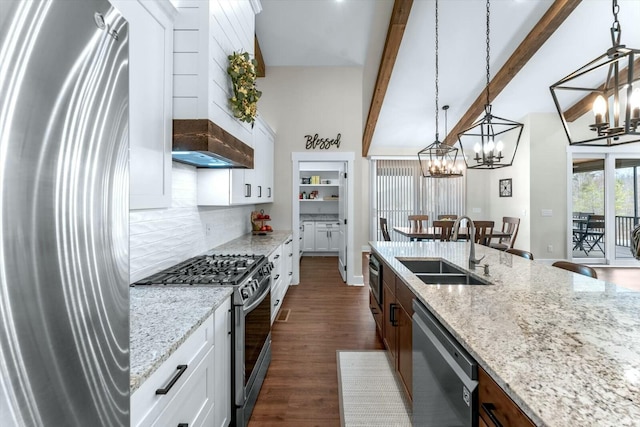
(251, 332)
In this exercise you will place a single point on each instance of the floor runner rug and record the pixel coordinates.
(370, 394)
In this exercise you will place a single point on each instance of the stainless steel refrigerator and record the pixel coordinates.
(64, 198)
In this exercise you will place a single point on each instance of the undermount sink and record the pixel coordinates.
(437, 272)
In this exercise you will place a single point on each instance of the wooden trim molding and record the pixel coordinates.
(546, 26)
(261, 70)
(205, 136)
(397, 24)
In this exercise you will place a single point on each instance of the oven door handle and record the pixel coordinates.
(373, 271)
(256, 302)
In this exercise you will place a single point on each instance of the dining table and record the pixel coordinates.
(431, 233)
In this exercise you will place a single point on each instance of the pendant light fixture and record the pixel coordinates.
(439, 160)
(492, 139)
(610, 87)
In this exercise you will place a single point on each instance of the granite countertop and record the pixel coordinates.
(318, 217)
(250, 244)
(564, 347)
(162, 318)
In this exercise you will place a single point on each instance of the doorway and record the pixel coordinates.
(604, 204)
(329, 177)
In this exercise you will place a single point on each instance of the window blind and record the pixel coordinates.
(400, 191)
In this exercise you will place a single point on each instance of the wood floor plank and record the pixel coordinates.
(301, 387)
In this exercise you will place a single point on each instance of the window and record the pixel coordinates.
(400, 191)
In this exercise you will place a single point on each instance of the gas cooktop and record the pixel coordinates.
(229, 270)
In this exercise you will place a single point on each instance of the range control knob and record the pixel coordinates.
(245, 293)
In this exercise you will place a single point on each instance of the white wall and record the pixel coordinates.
(161, 238)
(297, 101)
(538, 178)
(548, 186)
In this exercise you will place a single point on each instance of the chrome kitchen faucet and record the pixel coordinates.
(472, 237)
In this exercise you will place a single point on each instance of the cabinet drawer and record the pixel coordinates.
(493, 402)
(388, 278)
(193, 400)
(146, 405)
(376, 311)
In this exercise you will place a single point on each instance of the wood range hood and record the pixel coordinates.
(202, 143)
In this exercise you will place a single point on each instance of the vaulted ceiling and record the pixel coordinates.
(353, 32)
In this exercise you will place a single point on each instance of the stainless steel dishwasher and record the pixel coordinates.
(445, 377)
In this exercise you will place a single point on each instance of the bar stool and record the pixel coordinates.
(520, 252)
(576, 268)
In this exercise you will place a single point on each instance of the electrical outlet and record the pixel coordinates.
(208, 229)
(550, 248)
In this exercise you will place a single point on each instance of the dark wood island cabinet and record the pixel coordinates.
(394, 325)
(396, 328)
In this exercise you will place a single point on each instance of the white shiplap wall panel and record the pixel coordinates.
(222, 27)
(187, 85)
(185, 108)
(185, 64)
(188, 17)
(185, 40)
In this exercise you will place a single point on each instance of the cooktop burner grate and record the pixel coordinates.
(207, 270)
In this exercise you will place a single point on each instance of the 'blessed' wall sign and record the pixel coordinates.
(314, 142)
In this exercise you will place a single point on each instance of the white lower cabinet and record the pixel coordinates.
(192, 387)
(287, 252)
(326, 236)
(308, 236)
(322, 239)
(281, 275)
(194, 400)
(222, 367)
(334, 240)
(276, 281)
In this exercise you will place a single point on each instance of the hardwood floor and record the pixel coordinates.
(628, 277)
(301, 387)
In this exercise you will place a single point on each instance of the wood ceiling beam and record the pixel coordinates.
(546, 26)
(583, 106)
(397, 24)
(261, 69)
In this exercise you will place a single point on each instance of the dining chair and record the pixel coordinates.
(591, 237)
(484, 232)
(444, 229)
(576, 268)
(510, 225)
(418, 222)
(450, 217)
(385, 230)
(520, 252)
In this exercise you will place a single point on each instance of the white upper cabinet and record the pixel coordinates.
(225, 187)
(150, 100)
(263, 146)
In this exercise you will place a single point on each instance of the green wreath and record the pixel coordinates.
(242, 70)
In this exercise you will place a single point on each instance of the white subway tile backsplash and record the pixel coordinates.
(160, 238)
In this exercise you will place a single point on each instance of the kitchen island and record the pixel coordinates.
(564, 347)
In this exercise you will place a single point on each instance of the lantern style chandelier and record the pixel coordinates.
(610, 87)
(493, 140)
(439, 160)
